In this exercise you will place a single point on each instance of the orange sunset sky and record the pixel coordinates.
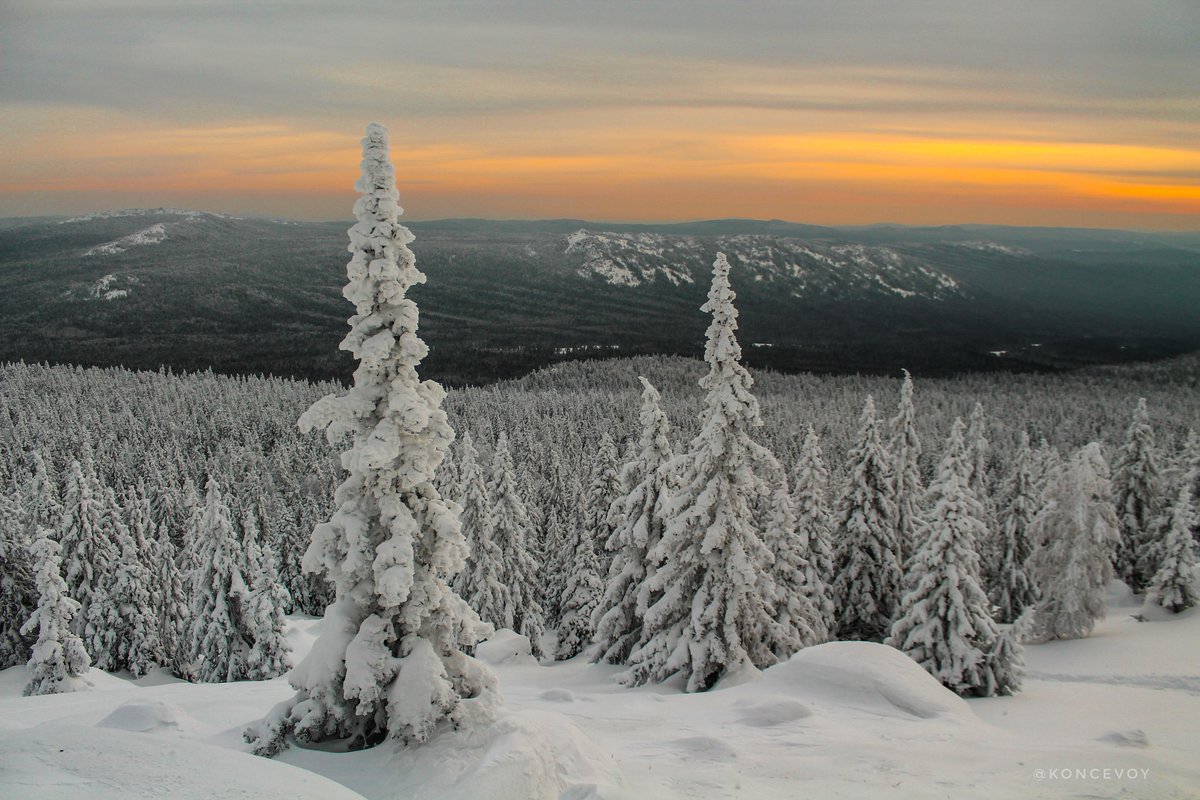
(923, 112)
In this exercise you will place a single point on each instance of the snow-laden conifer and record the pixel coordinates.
(1019, 501)
(88, 550)
(137, 644)
(1074, 537)
(603, 489)
(18, 595)
(390, 661)
(583, 592)
(58, 662)
(867, 569)
(715, 612)
(810, 498)
(943, 622)
(795, 608)
(1138, 496)
(512, 532)
(1173, 585)
(907, 486)
(481, 581)
(271, 654)
(222, 628)
(637, 519)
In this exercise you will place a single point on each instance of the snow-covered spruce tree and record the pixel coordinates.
(1174, 586)
(222, 628)
(18, 596)
(482, 565)
(58, 662)
(810, 493)
(1019, 500)
(174, 614)
(582, 595)
(1138, 496)
(715, 612)
(389, 662)
(604, 489)
(89, 551)
(138, 648)
(271, 653)
(943, 622)
(794, 606)
(867, 582)
(1074, 537)
(637, 519)
(511, 531)
(907, 485)
(1188, 468)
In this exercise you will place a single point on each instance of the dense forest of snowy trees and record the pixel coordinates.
(119, 462)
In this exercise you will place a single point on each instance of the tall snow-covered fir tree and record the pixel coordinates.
(794, 605)
(89, 551)
(637, 519)
(58, 662)
(1173, 585)
(715, 612)
(810, 497)
(603, 489)
(222, 628)
(583, 593)
(18, 595)
(512, 532)
(271, 653)
(480, 582)
(867, 582)
(390, 661)
(1074, 537)
(943, 622)
(907, 486)
(1138, 496)
(1012, 590)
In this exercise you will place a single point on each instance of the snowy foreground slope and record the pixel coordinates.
(1113, 715)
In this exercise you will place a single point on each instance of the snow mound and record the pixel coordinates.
(558, 696)
(1132, 738)
(506, 647)
(864, 674)
(706, 748)
(54, 761)
(532, 755)
(144, 717)
(768, 715)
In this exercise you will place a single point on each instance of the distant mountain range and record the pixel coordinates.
(191, 290)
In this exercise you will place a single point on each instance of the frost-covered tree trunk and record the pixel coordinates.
(1138, 497)
(907, 486)
(512, 531)
(715, 608)
(58, 662)
(390, 661)
(866, 586)
(810, 498)
(943, 622)
(222, 629)
(1074, 537)
(1012, 590)
(1174, 583)
(637, 519)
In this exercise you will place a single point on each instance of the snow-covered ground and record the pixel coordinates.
(1113, 715)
